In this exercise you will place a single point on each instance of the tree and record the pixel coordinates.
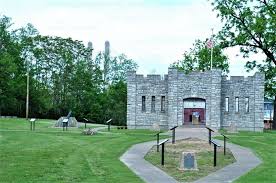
(198, 58)
(63, 77)
(251, 25)
(117, 102)
(114, 97)
(119, 66)
(12, 71)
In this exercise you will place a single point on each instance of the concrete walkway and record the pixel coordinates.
(134, 159)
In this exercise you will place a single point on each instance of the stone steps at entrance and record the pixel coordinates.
(192, 126)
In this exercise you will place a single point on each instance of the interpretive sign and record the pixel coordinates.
(32, 124)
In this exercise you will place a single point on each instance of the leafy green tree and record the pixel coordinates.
(55, 65)
(251, 25)
(12, 71)
(198, 58)
(63, 77)
(117, 102)
(119, 66)
(114, 97)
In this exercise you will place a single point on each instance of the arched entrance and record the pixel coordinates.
(194, 111)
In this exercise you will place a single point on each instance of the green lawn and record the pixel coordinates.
(204, 157)
(50, 155)
(264, 145)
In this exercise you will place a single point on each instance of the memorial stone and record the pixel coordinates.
(156, 127)
(188, 161)
(232, 128)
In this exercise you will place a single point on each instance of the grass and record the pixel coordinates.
(204, 157)
(264, 145)
(50, 155)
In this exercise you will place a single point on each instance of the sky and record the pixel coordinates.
(154, 33)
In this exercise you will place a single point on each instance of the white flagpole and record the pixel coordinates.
(212, 49)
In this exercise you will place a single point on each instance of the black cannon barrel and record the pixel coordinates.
(69, 114)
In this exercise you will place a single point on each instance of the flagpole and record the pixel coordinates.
(212, 49)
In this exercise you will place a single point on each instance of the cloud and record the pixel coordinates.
(153, 33)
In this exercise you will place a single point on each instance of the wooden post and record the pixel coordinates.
(27, 96)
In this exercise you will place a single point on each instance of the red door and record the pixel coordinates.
(188, 113)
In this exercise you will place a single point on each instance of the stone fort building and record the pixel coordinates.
(195, 99)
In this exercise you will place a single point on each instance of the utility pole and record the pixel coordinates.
(27, 96)
(212, 49)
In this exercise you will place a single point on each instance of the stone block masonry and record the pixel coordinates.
(155, 101)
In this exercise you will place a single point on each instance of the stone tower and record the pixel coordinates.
(107, 48)
(106, 60)
(90, 45)
(89, 56)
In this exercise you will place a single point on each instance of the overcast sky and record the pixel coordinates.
(154, 33)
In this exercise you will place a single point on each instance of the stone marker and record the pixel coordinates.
(188, 161)
(156, 127)
(72, 122)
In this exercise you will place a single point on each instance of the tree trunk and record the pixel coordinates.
(274, 114)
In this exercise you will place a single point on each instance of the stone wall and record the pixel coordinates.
(172, 97)
(204, 85)
(210, 86)
(131, 99)
(152, 85)
(251, 87)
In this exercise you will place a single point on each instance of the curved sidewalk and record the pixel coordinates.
(134, 159)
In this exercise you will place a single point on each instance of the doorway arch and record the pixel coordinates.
(194, 111)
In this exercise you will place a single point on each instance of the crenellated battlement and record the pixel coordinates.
(240, 79)
(233, 79)
(179, 74)
(147, 78)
